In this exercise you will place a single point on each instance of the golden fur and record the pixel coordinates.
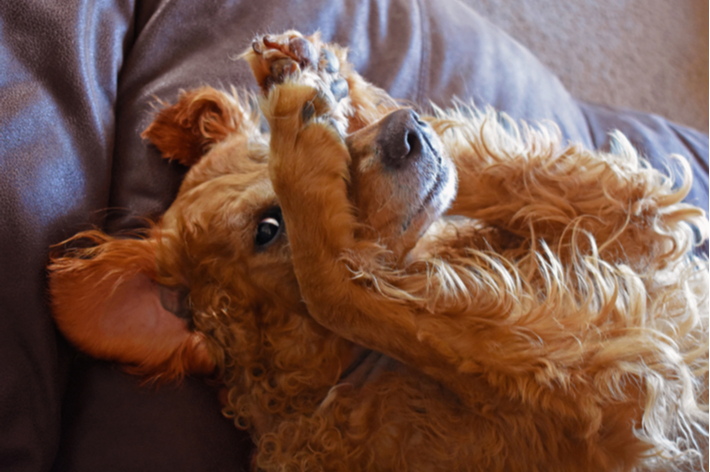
(554, 318)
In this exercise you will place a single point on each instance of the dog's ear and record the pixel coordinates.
(106, 301)
(201, 118)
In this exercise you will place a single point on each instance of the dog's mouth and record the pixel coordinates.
(401, 180)
(441, 189)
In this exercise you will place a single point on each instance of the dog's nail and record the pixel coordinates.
(268, 43)
(256, 47)
(304, 50)
(308, 111)
(329, 62)
(339, 89)
(282, 68)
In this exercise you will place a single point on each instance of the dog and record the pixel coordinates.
(379, 289)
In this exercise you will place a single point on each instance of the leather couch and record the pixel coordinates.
(77, 84)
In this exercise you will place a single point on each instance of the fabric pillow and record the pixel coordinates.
(78, 85)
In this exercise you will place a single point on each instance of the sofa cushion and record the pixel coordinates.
(78, 86)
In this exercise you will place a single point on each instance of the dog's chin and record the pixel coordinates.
(436, 196)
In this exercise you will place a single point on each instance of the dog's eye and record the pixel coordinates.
(270, 227)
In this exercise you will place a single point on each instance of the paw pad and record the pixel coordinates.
(290, 54)
(276, 59)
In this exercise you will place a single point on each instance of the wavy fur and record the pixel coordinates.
(555, 318)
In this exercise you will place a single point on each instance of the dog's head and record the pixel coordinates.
(215, 273)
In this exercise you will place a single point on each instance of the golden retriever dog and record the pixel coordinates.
(383, 290)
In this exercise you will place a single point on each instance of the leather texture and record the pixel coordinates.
(78, 82)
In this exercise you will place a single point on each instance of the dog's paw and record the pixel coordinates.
(292, 107)
(303, 132)
(276, 57)
(291, 57)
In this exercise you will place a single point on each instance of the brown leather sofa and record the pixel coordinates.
(77, 80)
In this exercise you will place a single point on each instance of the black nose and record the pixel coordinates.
(401, 138)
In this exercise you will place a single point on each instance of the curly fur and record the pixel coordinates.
(555, 318)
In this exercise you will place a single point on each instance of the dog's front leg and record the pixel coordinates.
(309, 170)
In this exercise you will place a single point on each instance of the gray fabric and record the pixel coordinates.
(58, 73)
(655, 138)
(76, 87)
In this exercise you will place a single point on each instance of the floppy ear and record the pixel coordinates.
(106, 301)
(201, 118)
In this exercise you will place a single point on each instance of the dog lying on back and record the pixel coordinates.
(365, 312)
